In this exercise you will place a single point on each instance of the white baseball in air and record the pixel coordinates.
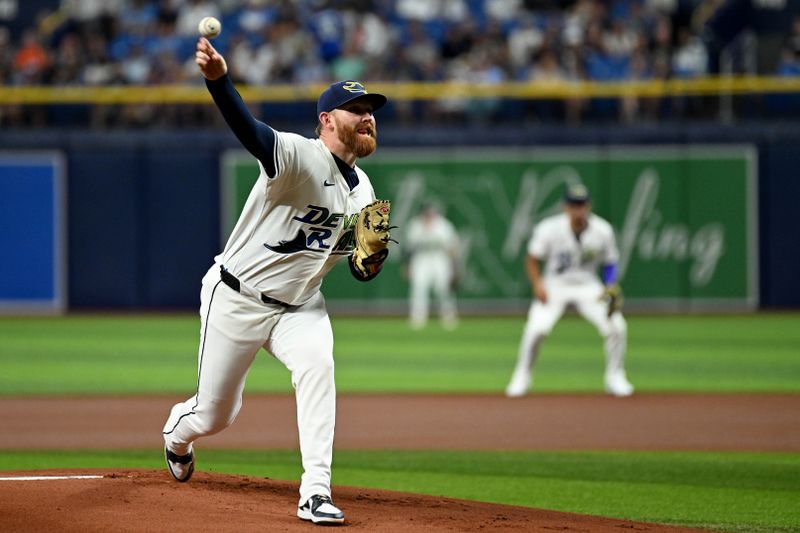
(209, 27)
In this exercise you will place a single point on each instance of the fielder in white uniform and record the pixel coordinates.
(433, 248)
(573, 244)
(263, 290)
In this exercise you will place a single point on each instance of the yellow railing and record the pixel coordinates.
(197, 94)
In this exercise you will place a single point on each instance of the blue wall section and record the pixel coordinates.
(144, 224)
(779, 195)
(144, 206)
(181, 224)
(105, 233)
(28, 231)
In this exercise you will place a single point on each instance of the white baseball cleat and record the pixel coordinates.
(518, 386)
(180, 466)
(618, 385)
(320, 510)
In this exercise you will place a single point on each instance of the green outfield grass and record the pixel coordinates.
(733, 492)
(157, 354)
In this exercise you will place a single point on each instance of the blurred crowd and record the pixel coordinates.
(144, 42)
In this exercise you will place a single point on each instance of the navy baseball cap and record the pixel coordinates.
(341, 92)
(577, 193)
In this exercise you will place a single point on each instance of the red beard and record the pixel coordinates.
(360, 145)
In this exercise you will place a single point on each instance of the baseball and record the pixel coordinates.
(209, 27)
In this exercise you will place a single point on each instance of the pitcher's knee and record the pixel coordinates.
(213, 417)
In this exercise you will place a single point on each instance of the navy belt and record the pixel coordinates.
(233, 282)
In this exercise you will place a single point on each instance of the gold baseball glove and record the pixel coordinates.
(371, 239)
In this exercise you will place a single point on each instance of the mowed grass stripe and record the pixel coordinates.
(157, 354)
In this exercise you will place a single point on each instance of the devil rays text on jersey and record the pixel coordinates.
(315, 235)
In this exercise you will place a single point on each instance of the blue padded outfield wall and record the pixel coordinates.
(32, 232)
(144, 209)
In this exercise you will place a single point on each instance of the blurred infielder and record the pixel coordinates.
(432, 247)
(264, 288)
(574, 244)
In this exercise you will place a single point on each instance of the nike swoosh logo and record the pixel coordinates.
(325, 183)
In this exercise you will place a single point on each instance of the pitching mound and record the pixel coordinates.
(144, 500)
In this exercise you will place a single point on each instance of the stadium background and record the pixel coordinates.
(119, 181)
(112, 88)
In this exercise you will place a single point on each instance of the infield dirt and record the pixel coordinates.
(715, 422)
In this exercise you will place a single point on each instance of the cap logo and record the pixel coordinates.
(578, 190)
(354, 87)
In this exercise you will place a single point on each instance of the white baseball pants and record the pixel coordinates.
(542, 317)
(233, 328)
(431, 274)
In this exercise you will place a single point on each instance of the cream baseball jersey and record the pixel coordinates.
(298, 221)
(432, 239)
(572, 259)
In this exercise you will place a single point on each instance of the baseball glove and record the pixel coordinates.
(371, 239)
(612, 294)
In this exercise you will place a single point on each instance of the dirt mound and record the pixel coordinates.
(144, 500)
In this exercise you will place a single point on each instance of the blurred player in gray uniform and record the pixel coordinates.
(573, 244)
(433, 249)
(263, 290)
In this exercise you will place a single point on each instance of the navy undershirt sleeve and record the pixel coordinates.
(257, 137)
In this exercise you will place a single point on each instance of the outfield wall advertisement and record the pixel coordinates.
(685, 217)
